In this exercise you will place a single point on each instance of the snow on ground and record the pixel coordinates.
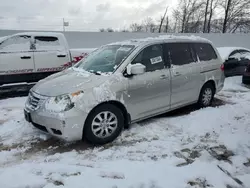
(173, 150)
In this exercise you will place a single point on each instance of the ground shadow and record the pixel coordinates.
(12, 92)
(191, 108)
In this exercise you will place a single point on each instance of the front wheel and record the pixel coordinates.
(206, 95)
(104, 124)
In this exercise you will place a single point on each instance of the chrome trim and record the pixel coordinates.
(35, 101)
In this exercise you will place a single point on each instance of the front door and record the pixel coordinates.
(16, 60)
(149, 93)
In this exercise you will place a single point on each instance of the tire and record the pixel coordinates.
(206, 95)
(101, 130)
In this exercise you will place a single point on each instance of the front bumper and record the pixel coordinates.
(67, 125)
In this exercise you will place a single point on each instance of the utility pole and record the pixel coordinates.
(65, 24)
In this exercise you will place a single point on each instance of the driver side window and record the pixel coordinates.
(151, 57)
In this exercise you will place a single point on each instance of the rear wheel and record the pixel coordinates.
(206, 95)
(104, 124)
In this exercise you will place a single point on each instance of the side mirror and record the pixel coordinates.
(136, 69)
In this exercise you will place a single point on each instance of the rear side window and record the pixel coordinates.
(179, 53)
(205, 51)
(46, 42)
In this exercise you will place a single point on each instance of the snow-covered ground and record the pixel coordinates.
(183, 149)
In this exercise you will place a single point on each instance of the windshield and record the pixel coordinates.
(105, 59)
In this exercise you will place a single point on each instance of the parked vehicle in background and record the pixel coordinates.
(235, 60)
(123, 83)
(246, 75)
(31, 56)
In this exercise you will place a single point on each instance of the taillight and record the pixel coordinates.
(222, 67)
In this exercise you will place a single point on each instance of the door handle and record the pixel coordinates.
(26, 57)
(163, 77)
(61, 55)
(177, 74)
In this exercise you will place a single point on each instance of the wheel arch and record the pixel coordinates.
(211, 81)
(118, 104)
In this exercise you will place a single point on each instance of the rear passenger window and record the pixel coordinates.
(151, 57)
(46, 42)
(179, 53)
(205, 51)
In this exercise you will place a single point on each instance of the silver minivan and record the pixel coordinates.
(122, 83)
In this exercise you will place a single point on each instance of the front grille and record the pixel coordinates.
(35, 100)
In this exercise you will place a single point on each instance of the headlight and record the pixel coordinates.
(62, 103)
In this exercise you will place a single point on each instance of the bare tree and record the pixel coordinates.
(167, 25)
(237, 14)
(149, 25)
(187, 13)
(135, 27)
(163, 18)
(102, 30)
(110, 30)
(213, 6)
(206, 13)
(124, 30)
(177, 19)
(227, 7)
(195, 16)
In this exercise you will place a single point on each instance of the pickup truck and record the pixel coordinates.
(26, 58)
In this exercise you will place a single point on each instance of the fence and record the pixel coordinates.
(95, 39)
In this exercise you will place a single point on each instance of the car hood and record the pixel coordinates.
(68, 81)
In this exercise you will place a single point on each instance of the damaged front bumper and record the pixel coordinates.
(64, 125)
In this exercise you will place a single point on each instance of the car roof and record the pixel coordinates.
(162, 38)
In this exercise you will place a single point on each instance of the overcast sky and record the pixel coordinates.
(88, 15)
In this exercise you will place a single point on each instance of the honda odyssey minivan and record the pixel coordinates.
(122, 83)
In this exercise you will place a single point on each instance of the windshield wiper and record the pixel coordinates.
(96, 73)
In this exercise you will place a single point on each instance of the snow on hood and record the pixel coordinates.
(226, 51)
(68, 81)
